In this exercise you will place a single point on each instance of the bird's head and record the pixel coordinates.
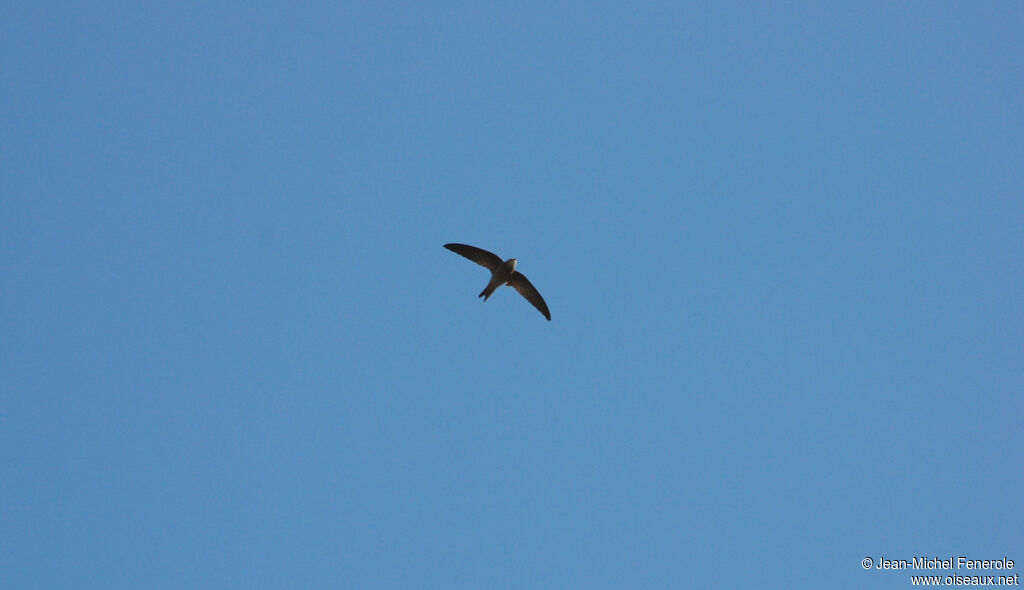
(511, 264)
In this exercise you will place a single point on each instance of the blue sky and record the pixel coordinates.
(781, 244)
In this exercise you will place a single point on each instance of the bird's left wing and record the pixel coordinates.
(486, 259)
(527, 290)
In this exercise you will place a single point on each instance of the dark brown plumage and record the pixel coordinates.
(502, 273)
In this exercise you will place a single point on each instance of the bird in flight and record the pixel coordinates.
(502, 273)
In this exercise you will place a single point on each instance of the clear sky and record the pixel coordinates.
(781, 244)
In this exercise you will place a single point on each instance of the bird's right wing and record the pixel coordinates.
(527, 290)
(482, 257)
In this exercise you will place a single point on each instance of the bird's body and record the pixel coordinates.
(502, 273)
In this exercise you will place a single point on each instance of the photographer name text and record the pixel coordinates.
(943, 563)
